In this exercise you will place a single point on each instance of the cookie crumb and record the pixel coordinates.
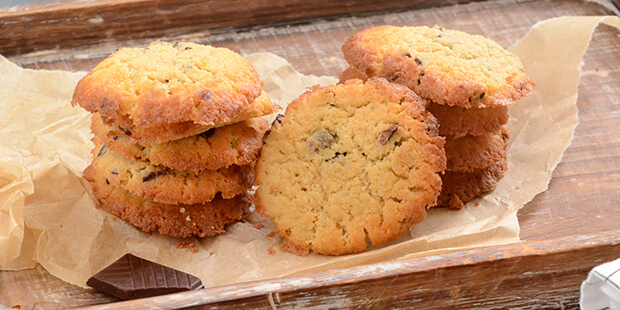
(211, 254)
(182, 210)
(517, 188)
(186, 244)
(189, 219)
(477, 202)
(271, 234)
(258, 226)
(271, 251)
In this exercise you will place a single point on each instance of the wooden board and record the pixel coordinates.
(566, 230)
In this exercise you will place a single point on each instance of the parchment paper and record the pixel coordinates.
(47, 214)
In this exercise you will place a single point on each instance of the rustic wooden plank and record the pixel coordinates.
(71, 23)
(541, 274)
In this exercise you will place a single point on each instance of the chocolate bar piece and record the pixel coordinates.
(132, 277)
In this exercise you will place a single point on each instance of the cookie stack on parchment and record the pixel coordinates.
(468, 80)
(177, 131)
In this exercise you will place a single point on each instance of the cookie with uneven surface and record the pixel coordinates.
(173, 131)
(180, 221)
(454, 121)
(166, 185)
(460, 187)
(457, 121)
(469, 153)
(349, 165)
(235, 144)
(167, 83)
(445, 66)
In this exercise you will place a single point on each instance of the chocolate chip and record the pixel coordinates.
(266, 134)
(418, 61)
(407, 54)
(278, 119)
(321, 139)
(482, 95)
(114, 172)
(105, 103)
(188, 48)
(125, 131)
(208, 134)
(338, 154)
(387, 134)
(421, 77)
(107, 181)
(150, 177)
(394, 77)
(102, 151)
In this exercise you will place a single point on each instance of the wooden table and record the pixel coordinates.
(565, 231)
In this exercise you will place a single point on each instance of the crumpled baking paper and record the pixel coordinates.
(48, 215)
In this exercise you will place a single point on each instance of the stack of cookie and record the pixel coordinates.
(468, 80)
(177, 131)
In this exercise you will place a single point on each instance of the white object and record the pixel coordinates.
(601, 290)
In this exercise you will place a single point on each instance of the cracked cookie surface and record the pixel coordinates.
(235, 144)
(348, 165)
(202, 220)
(445, 66)
(166, 185)
(167, 83)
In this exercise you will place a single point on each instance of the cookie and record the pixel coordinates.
(457, 121)
(167, 83)
(460, 187)
(454, 121)
(167, 132)
(202, 220)
(351, 73)
(216, 148)
(165, 185)
(445, 66)
(469, 153)
(348, 165)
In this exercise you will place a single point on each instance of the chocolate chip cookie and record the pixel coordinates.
(448, 67)
(349, 165)
(235, 144)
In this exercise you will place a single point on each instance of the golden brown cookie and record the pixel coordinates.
(170, 186)
(236, 144)
(348, 165)
(167, 132)
(167, 83)
(454, 121)
(469, 153)
(351, 73)
(460, 187)
(457, 121)
(202, 220)
(445, 66)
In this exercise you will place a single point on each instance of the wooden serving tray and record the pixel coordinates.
(565, 231)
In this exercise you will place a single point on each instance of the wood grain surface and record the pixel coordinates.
(76, 23)
(573, 225)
